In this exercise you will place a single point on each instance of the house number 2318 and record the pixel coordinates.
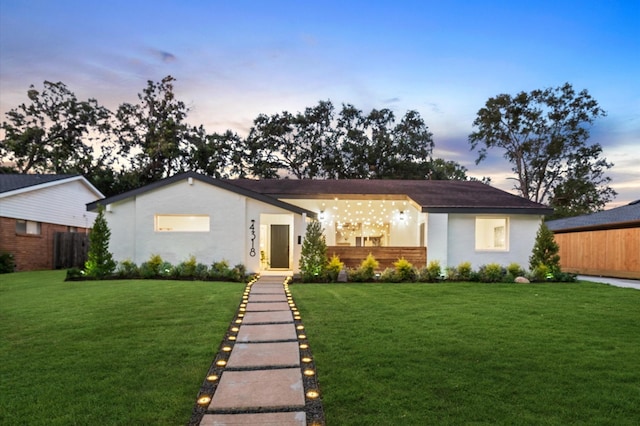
(252, 233)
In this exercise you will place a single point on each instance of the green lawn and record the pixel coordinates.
(109, 352)
(415, 354)
(136, 352)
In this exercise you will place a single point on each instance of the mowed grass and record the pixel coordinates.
(107, 352)
(416, 354)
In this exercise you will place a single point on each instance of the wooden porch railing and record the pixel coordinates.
(353, 256)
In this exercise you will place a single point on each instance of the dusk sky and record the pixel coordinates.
(236, 59)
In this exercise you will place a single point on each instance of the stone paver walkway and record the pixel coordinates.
(264, 373)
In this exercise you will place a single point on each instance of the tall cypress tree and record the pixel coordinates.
(100, 263)
(545, 250)
(313, 259)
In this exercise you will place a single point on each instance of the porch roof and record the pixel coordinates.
(433, 196)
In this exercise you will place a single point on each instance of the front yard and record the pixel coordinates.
(136, 352)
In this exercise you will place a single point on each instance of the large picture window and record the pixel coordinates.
(27, 227)
(182, 223)
(492, 233)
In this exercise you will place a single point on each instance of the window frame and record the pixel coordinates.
(29, 226)
(504, 229)
(159, 228)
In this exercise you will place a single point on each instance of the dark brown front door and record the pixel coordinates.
(280, 246)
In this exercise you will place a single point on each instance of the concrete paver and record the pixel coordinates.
(267, 297)
(296, 418)
(269, 316)
(259, 389)
(249, 355)
(266, 333)
(267, 306)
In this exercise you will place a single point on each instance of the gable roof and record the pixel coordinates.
(206, 179)
(12, 184)
(434, 196)
(619, 217)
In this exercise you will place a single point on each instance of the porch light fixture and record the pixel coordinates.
(321, 216)
(402, 215)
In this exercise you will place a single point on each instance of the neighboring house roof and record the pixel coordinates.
(206, 179)
(434, 196)
(619, 217)
(12, 184)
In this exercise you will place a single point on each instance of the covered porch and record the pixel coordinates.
(387, 226)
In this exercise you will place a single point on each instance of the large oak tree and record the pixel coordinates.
(544, 134)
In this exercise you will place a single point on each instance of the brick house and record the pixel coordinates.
(33, 208)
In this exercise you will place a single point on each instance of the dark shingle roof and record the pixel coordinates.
(616, 217)
(432, 195)
(220, 183)
(11, 182)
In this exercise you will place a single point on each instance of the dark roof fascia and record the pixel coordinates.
(488, 210)
(601, 227)
(205, 179)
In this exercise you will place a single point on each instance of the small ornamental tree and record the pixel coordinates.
(545, 250)
(313, 259)
(100, 262)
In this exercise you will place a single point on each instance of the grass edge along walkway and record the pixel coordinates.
(266, 317)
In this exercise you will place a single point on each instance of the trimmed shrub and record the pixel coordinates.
(404, 270)
(127, 269)
(151, 268)
(366, 272)
(74, 274)
(220, 270)
(515, 270)
(201, 272)
(491, 273)
(464, 271)
(7, 263)
(390, 275)
(334, 267)
(186, 269)
(541, 273)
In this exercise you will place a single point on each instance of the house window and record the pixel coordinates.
(492, 233)
(27, 227)
(181, 223)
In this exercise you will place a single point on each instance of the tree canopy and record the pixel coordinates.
(544, 135)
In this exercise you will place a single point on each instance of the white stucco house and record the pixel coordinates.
(262, 223)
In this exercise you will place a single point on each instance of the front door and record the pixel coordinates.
(280, 246)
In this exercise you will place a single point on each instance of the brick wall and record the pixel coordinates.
(30, 252)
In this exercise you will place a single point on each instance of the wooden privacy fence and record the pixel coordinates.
(353, 256)
(608, 252)
(70, 249)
